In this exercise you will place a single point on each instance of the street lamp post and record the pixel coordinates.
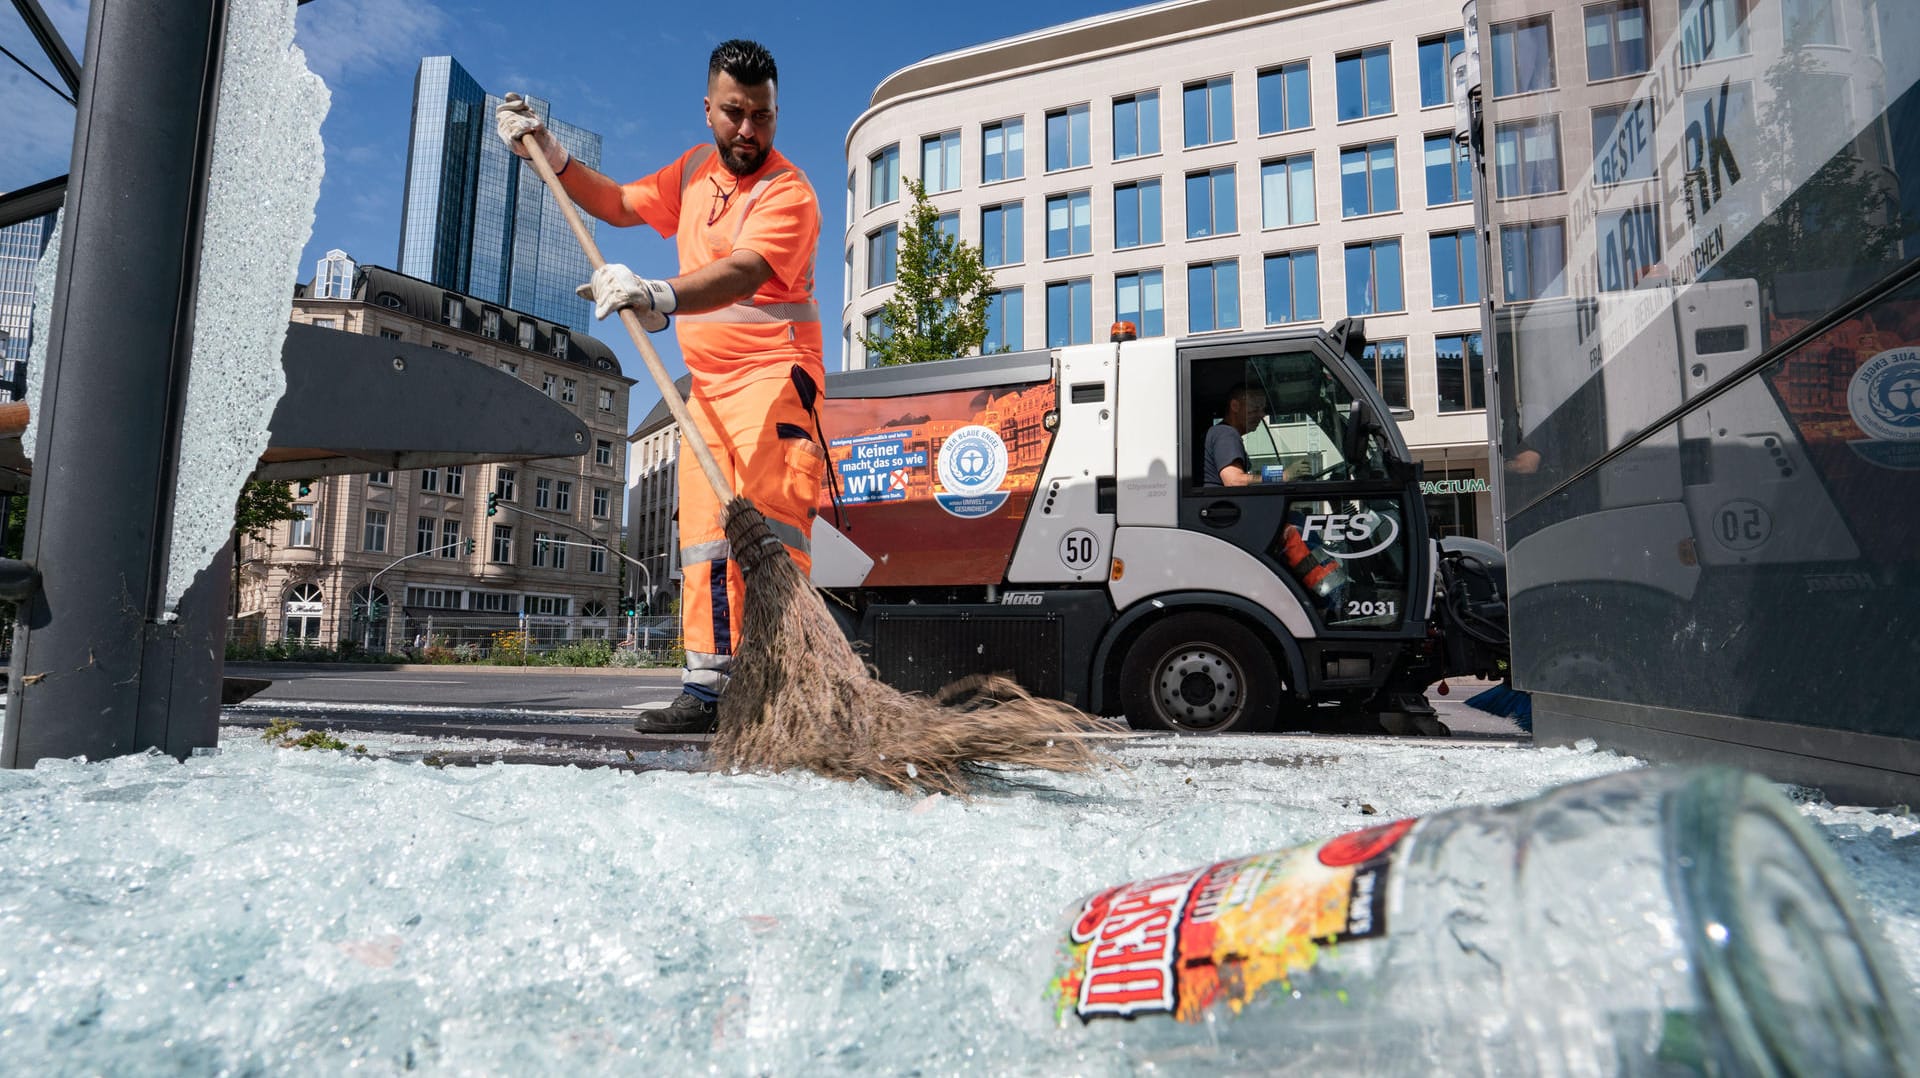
(375, 578)
(601, 546)
(556, 521)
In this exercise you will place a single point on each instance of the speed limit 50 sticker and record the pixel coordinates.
(1742, 524)
(1079, 550)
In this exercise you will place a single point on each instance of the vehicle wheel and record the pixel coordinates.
(1200, 674)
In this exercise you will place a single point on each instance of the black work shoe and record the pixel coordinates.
(686, 715)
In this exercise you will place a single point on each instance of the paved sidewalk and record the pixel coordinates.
(1470, 721)
(269, 669)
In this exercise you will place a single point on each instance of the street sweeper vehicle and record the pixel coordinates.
(1047, 515)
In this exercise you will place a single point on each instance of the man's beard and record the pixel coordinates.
(740, 162)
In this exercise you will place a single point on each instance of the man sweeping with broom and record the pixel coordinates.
(746, 223)
(790, 691)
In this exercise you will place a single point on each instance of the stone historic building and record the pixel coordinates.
(383, 559)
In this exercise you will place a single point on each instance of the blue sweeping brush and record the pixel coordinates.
(1507, 702)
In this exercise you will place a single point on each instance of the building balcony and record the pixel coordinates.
(298, 555)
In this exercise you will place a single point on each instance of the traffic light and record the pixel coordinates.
(629, 606)
(306, 487)
(493, 504)
(469, 545)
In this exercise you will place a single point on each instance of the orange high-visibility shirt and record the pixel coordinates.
(701, 211)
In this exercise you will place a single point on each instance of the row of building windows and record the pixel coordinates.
(1290, 287)
(437, 535)
(1521, 60)
(556, 387)
(1459, 368)
(555, 494)
(549, 493)
(1368, 181)
(1213, 291)
(441, 536)
(305, 606)
(1527, 162)
(1533, 266)
(335, 277)
(498, 602)
(453, 313)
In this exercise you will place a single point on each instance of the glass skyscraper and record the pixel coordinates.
(21, 246)
(477, 219)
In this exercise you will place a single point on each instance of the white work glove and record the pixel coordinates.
(515, 118)
(615, 286)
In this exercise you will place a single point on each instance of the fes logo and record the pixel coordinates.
(972, 464)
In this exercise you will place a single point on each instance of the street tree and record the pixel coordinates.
(262, 504)
(940, 297)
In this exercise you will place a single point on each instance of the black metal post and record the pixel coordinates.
(96, 671)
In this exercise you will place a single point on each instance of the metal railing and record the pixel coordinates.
(467, 635)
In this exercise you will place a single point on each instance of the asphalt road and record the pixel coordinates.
(515, 701)
(532, 687)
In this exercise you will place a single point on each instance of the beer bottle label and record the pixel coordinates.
(1181, 943)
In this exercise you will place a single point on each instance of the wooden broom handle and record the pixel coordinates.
(695, 436)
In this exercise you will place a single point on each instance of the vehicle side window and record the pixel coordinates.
(1303, 437)
(1286, 416)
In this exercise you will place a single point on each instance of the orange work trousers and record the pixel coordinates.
(761, 436)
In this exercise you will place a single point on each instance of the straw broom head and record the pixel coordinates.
(800, 697)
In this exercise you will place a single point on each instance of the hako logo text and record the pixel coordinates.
(1351, 530)
(972, 464)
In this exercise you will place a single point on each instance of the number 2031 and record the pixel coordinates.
(1368, 608)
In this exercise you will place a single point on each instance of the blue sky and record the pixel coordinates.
(611, 68)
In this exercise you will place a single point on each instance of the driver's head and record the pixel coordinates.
(1246, 407)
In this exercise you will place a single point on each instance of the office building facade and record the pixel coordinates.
(477, 219)
(21, 246)
(1196, 169)
(653, 501)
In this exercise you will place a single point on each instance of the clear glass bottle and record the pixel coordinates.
(1652, 922)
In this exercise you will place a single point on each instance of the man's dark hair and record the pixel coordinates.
(748, 62)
